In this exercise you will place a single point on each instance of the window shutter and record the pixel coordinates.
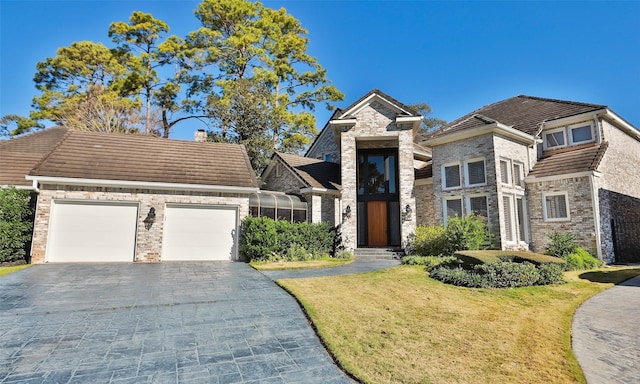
(506, 207)
(504, 172)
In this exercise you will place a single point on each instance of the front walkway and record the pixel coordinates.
(606, 335)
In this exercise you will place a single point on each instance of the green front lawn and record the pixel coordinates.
(400, 326)
(282, 265)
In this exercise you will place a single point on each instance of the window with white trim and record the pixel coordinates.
(474, 171)
(580, 133)
(556, 138)
(505, 171)
(477, 205)
(452, 208)
(507, 218)
(555, 206)
(518, 174)
(451, 176)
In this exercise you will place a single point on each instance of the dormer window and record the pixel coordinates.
(555, 139)
(580, 133)
(574, 134)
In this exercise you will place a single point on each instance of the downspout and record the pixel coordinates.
(596, 215)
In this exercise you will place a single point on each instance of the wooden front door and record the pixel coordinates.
(377, 220)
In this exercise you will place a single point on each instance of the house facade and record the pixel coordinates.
(530, 166)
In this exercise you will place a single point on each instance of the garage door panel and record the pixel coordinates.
(92, 232)
(199, 233)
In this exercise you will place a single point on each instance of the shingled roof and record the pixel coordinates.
(19, 155)
(582, 159)
(524, 113)
(315, 173)
(125, 157)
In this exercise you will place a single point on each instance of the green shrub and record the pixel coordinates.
(430, 262)
(265, 239)
(463, 233)
(343, 254)
(561, 244)
(508, 275)
(16, 224)
(429, 240)
(471, 258)
(500, 275)
(550, 274)
(581, 259)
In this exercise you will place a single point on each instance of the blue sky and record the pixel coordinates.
(455, 56)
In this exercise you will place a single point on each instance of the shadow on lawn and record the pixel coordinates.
(618, 277)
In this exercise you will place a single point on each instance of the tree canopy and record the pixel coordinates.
(245, 73)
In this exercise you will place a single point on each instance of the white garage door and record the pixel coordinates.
(92, 231)
(196, 232)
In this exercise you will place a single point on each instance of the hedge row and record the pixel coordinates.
(471, 258)
(265, 239)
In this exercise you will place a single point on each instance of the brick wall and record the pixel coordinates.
(425, 205)
(456, 153)
(620, 223)
(579, 204)
(148, 242)
(282, 180)
(326, 143)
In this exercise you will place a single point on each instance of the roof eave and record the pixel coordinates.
(561, 176)
(320, 190)
(496, 127)
(141, 184)
(622, 124)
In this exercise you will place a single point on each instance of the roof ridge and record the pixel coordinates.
(570, 102)
(379, 93)
(58, 144)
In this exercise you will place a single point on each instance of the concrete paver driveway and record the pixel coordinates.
(155, 323)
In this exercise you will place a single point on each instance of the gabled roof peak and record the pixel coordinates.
(407, 111)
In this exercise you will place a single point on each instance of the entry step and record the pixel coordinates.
(378, 253)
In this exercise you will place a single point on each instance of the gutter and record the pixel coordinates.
(140, 184)
(320, 190)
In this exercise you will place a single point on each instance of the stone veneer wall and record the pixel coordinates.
(580, 205)
(425, 205)
(330, 208)
(325, 144)
(376, 124)
(148, 242)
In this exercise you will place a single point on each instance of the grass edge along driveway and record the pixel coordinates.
(7, 270)
(400, 326)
